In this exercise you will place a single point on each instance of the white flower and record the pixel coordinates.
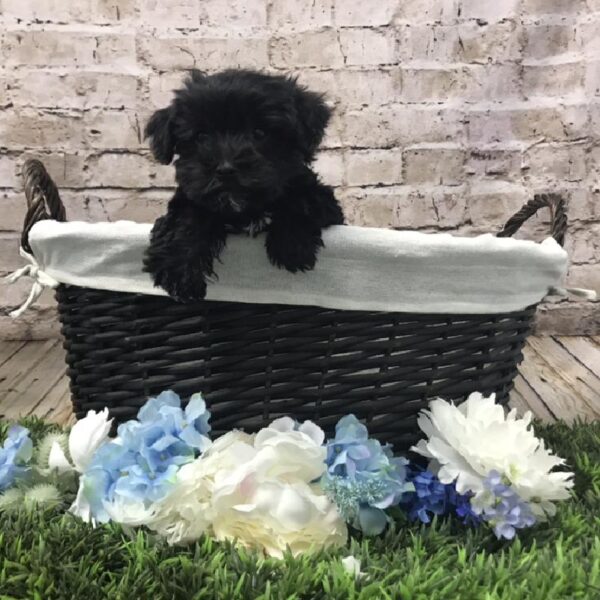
(351, 565)
(128, 512)
(466, 442)
(256, 489)
(183, 515)
(57, 459)
(81, 506)
(86, 436)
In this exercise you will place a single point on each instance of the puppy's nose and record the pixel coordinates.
(225, 169)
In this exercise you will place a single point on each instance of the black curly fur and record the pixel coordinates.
(244, 142)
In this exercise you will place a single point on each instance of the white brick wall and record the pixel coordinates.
(449, 113)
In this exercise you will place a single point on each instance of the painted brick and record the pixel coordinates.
(129, 171)
(367, 47)
(398, 124)
(185, 52)
(68, 48)
(76, 89)
(494, 163)
(310, 49)
(544, 41)
(292, 16)
(427, 11)
(28, 128)
(233, 14)
(366, 12)
(566, 163)
(57, 11)
(466, 42)
(584, 205)
(405, 208)
(487, 10)
(527, 122)
(490, 204)
(584, 247)
(108, 204)
(584, 276)
(495, 42)
(175, 13)
(12, 207)
(438, 166)
(592, 78)
(355, 88)
(373, 167)
(469, 84)
(537, 7)
(588, 34)
(9, 251)
(554, 80)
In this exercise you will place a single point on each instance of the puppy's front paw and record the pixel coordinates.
(182, 283)
(293, 249)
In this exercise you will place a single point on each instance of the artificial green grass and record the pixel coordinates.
(47, 555)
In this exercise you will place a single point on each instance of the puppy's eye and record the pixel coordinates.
(258, 134)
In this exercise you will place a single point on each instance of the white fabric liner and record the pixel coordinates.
(358, 269)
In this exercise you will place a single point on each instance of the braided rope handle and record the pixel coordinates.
(43, 199)
(557, 206)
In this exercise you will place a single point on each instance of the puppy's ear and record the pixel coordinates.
(160, 131)
(313, 116)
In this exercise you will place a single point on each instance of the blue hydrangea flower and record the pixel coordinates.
(14, 456)
(141, 464)
(432, 497)
(363, 477)
(502, 508)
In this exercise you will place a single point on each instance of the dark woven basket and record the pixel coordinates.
(256, 362)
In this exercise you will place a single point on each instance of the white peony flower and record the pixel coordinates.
(256, 489)
(184, 515)
(466, 442)
(86, 436)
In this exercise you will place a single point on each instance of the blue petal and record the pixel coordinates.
(195, 408)
(149, 411)
(372, 520)
(194, 439)
(164, 442)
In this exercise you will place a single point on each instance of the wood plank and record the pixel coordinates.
(525, 398)
(516, 401)
(54, 399)
(583, 349)
(9, 349)
(27, 392)
(61, 411)
(595, 339)
(22, 364)
(551, 371)
(568, 368)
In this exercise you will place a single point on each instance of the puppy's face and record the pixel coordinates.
(239, 137)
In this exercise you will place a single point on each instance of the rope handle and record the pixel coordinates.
(557, 205)
(43, 199)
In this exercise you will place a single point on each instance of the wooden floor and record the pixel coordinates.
(559, 379)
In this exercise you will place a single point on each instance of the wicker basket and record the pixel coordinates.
(256, 362)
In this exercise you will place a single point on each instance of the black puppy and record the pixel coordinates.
(244, 142)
